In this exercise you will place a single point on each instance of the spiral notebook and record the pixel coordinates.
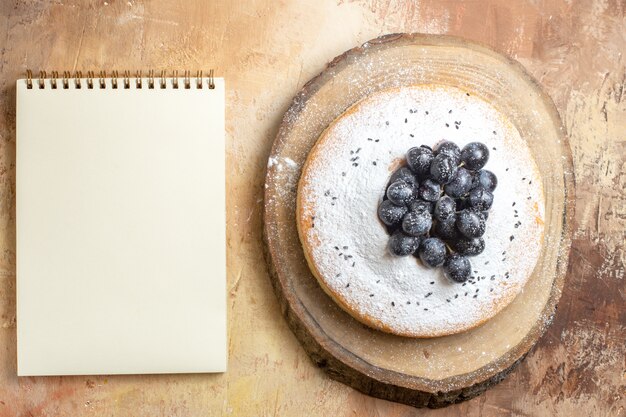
(120, 214)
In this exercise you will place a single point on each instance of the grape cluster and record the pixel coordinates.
(436, 207)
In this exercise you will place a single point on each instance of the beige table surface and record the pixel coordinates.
(266, 50)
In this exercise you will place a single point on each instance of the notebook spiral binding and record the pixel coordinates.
(124, 81)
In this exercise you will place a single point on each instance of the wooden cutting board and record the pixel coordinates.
(420, 372)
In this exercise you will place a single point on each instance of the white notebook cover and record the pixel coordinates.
(120, 229)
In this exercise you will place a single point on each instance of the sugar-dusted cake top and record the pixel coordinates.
(344, 181)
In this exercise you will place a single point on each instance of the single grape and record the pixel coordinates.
(449, 148)
(443, 168)
(469, 247)
(475, 155)
(417, 223)
(391, 214)
(479, 199)
(486, 180)
(419, 159)
(460, 184)
(401, 244)
(404, 174)
(401, 193)
(432, 252)
(429, 190)
(470, 223)
(445, 208)
(457, 268)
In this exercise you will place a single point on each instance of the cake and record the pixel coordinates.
(345, 178)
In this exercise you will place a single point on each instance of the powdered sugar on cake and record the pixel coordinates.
(344, 182)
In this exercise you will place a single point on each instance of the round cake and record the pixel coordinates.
(346, 245)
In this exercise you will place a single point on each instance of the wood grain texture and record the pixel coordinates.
(267, 49)
(420, 372)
